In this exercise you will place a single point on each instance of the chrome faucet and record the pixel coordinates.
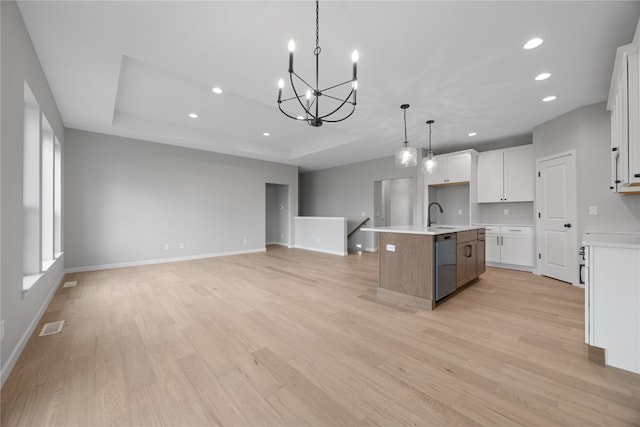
(429, 212)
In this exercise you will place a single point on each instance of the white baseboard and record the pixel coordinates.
(286, 245)
(159, 261)
(17, 351)
(509, 266)
(325, 251)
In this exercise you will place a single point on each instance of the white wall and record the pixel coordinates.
(127, 198)
(19, 64)
(322, 234)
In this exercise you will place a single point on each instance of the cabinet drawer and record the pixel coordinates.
(467, 236)
(492, 229)
(519, 231)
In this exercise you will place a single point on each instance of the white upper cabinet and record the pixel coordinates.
(506, 175)
(454, 168)
(624, 104)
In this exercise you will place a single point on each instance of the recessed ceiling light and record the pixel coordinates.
(193, 115)
(549, 98)
(543, 76)
(216, 90)
(473, 133)
(266, 134)
(533, 43)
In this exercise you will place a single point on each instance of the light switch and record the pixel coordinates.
(593, 210)
(459, 211)
(364, 214)
(391, 248)
(506, 212)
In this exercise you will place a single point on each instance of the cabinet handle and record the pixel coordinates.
(637, 175)
(501, 241)
(516, 230)
(617, 181)
(614, 149)
(498, 240)
(469, 251)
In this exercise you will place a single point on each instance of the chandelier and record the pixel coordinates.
(406, 156)
(311, 105)
(430, 164)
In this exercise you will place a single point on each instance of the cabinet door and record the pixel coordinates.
(518, 175)
(516, 250)
(440, 174)
(633, 69)
(472, 260)
(492, 247)
(490, 177)
(459, 168)
(480, 256)
(461, 264)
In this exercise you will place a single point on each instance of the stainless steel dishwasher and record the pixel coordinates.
(445, 265)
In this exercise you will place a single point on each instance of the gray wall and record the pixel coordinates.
(452, 199)
(588, 131)
(19, 64)
(126, 199)
(347, 191)
(277, 214)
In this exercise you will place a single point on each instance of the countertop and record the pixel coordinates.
(615, 239)
(410, 229)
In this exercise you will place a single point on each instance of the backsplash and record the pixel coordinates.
(516, 213)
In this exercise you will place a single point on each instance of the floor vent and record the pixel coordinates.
(70, 284)
(52, 328)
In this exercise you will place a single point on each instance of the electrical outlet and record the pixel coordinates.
(318, 239)
(506, 212)
(363, 214)
(166, 246)
(459, 211)
(2, 330)
(244, 240)
(281, 207)
(593, 210)
(181, 245)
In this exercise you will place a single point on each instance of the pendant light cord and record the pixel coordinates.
(430, 137)
(317, 50)
(405, 128)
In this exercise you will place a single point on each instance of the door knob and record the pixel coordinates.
(567, 225)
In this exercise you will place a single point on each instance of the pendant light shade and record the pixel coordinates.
(430, 164)
(406, 157)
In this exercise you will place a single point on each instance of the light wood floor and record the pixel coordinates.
(298, 338)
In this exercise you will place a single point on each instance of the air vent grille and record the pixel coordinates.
(52, 328)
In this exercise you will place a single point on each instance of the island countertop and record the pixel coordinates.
(432, 231)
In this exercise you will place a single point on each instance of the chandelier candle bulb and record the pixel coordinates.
(354, 57)
(280, 87)
(292, 47)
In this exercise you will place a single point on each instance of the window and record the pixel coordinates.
(41, 194)
(47, 177)
(31, 185)
(57, 200)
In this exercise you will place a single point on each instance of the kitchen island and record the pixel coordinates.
(421, 266)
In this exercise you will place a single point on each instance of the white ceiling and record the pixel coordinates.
(138, 69)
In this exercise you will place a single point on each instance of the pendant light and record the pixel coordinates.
(311, 106)
(430, 164)
(406, 157)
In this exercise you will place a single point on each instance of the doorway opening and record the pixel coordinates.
(277, 214)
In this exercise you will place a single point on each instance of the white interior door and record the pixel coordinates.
(556, 206)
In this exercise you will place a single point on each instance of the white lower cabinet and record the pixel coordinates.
(508, 244)
(612, 298)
